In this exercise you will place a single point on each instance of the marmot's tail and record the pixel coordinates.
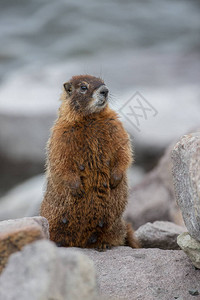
(131, 240)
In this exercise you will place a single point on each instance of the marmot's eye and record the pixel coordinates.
(84, 88)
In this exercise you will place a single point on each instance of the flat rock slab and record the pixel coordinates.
(145, 274)
(15, 234)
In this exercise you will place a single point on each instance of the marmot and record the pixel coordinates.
(88, 154)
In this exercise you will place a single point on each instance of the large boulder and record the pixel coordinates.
(186, 174)
(43, 271)
(15, 234)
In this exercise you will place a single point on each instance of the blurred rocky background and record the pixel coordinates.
(148, 54)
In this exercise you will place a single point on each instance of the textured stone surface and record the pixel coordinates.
(154, 199)
(41, 271)
(47, 272)
(191, 247)
(145, 274)
(186, 174)
(15, 234)
(159, 234)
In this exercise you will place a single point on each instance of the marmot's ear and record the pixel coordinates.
(68, 88)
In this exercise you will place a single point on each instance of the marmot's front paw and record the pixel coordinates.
(103, 247)
(115, 179)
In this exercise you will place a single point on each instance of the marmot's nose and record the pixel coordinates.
(104, 91)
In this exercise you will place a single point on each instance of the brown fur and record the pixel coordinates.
(88, 155)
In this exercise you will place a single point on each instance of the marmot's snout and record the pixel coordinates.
(101, 96)
(103, 91)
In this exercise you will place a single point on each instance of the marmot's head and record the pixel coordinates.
(85, 94)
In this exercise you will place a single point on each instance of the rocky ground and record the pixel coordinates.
(145, 274)
(166, 267)
(37, 269)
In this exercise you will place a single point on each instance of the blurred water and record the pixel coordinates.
(133, 42)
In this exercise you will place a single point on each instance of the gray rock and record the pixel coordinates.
(154, 198)
(186, 174)
(191, 247)
(15, 234)
(41, 271)
(42, 222)
(17, 224)
(144, 274)
(23, 200)
(159, 234)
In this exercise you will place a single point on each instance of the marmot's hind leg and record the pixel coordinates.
(120, 234)
(114, 236)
